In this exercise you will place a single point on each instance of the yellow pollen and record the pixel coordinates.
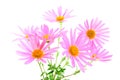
(26, 36)
(93, 56)
(60, 18)
(46, 36)
(73, 50)
(91, 34)
(37, 53)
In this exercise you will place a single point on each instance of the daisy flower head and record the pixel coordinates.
(48, 34)
(34, 49)
(27, 32)
(76, 50)
(57, 16)
(100, 54)
(94, 32)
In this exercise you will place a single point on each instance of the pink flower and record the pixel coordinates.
(94, 32)
(27, 32)
(49, 34)
(76, 50)
(60, 16)
(34, 49)
(100, 54)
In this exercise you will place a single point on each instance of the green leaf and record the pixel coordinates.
(67, 63)
(51, 77)
(50, 72)
(42, 73)
(76, 72)
(58, 78)
(51, 67)
(46, 78)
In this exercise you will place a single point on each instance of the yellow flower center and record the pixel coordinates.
(26, 36)
(73, 50)
(91, 34)
(93, 56)
(37, 53)
(46, 36)
(60, 18)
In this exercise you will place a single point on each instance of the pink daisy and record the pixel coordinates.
(100, 54)
(34, 49)
(60, 16)
(94, 32)
(76, 50)
(49, 34)
(27, 32)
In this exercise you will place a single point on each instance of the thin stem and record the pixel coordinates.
(59, 37)
(54, 75)
(41, 69)
(68, 75)
(44, 70)
(67, 62)
(50, 60)
(60, 25)
(58, 44)
(76, 72)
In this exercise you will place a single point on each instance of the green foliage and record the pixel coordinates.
(76, 72)
(56, 72)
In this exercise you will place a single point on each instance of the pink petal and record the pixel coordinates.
(53, 12)
(60, 11)
(23, 53)
(73, 62)
(29, 60)
(86, 24)
(80, 65)
(23, 45)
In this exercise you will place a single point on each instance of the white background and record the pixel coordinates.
(25, 13)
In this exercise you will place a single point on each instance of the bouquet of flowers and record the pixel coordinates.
(56, 49)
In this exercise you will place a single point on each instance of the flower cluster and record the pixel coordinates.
(83, 46)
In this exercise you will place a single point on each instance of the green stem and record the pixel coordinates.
(66, 63)
(60, 25)
(59, 37)
(68, 75)
(56, 57)
(58, 44)
(41, 69)
(54, 75)
(76, 72)
(44, 70)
